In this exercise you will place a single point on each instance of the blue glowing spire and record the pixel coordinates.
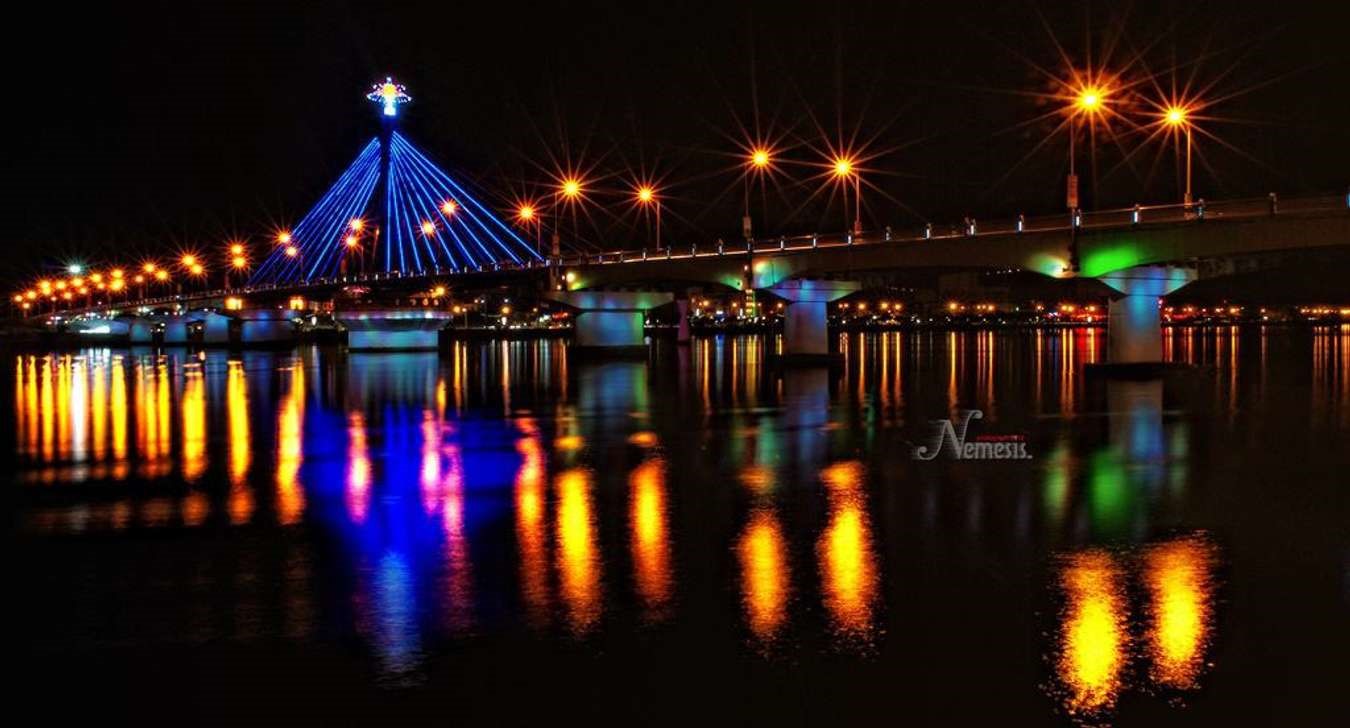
(390, 95)
(393, 210)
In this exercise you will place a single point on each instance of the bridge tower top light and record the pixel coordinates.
(390, 95)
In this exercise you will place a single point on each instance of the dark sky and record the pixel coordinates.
(146, 126)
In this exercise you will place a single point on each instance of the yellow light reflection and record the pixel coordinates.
(33, 412)
(847, 563)
(98, 411)
(63, 405)
(765, 574)
(163, 415)
(530, 526)
(578, 557)
(643, 438)
(650, 536)
(569, 443)
(193, 422)
(1094, 639)
(290, 448)
(240, 504)
(1177, 575)
(47, 409)
(118, 414)
(759, 479)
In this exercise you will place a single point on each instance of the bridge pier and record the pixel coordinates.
(682, 332)
(610, 322)
(1134, 321)
(393, 329)
(806, 336)
(262, 327)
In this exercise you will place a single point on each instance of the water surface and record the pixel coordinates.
(503, 533)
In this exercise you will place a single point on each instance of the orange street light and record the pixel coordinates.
(449, 208)
(284, 237)
(239, 262)
(527, 214)
(759, 161)
(845, 168)
(149, 267)
(1090, 99)
(352, 241)
(357, 224)
(571, 188)
(1087, 100)
(188, 260)
(292, 251)
(236, 248)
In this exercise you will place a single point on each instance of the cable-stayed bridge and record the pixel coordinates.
(395, 222)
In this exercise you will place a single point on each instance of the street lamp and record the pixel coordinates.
(1178, 119)
(527, 215)
(759, 161)
(570, 191)
(646, 196)
(353, 242)
(1088, 101)
(237, 259)
(844, 168)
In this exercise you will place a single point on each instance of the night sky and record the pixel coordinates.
(142, 128)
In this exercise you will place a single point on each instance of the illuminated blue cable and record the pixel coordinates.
(304, 237)
(437, 176)
(277, 266)
(432, 211)
(419, 176)
(436, 173)
(329, 229)
(405, 201)
(328, 261)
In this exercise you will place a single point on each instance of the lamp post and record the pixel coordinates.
(527, 215)
(845, 169)
(646, 196)
(1088, 101)
(760, 159)
(1178, 118)
(569, 191)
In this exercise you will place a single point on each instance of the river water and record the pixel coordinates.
(504, 533)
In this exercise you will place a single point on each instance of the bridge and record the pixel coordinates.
(395, 224)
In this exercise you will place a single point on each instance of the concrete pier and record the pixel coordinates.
(805, 322)
(393, 329)
(611, 322)
(1134, 320)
